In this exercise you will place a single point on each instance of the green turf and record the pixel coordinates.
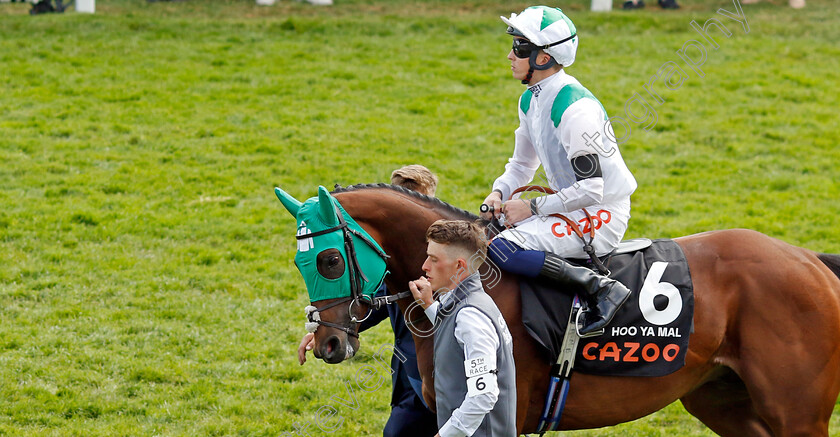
(146, 277)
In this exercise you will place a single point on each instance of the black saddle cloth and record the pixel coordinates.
(649, 334)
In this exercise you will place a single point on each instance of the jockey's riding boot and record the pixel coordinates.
(604, 296)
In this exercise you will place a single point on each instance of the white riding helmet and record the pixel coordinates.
(549, 29)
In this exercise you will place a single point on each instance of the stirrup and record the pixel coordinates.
(578, 325)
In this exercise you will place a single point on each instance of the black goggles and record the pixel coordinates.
(522, 48)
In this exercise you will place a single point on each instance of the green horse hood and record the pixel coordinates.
(319, 217)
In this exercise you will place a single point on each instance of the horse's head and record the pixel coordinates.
(342, 266)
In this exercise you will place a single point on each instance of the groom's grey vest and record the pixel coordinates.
(450, 376)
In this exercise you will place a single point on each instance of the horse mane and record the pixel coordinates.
(433, 202)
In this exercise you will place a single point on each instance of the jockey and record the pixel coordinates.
(566, 129)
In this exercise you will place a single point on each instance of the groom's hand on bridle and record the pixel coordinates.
(421, 289)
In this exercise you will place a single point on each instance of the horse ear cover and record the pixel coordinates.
(292, 205)
(327, 212)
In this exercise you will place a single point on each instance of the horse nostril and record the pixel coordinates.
(332, 350)
(332, 345)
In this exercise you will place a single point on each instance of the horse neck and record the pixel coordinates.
(399, 224)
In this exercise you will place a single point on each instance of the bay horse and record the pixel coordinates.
(763, 359)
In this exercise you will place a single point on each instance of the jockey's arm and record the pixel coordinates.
(521, 166)
(582, 194)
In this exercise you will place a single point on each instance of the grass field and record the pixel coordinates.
(146, 277)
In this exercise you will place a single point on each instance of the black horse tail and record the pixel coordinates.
(831, 261)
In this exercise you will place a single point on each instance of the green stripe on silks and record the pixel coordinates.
(525, 101)
(570, 93)
(318, 214)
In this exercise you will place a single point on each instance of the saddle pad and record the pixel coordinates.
(649, 334)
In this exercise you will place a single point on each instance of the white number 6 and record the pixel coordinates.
(652, 288)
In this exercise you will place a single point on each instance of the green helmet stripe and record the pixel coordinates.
(569, 23)
(553, 15)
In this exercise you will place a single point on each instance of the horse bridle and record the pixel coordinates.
(356, 275)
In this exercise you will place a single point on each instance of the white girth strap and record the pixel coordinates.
(314, 315)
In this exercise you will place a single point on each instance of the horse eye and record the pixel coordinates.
(330, 264)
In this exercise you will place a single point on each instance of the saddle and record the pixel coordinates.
(655, 321)
(647, 337)
(626, 246)
(649, 334)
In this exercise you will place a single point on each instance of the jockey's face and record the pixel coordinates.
(519, 66)
(443, 267)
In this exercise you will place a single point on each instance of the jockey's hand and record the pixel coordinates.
(494, 200)
(306, 344)
(421, 289)
(516, 210)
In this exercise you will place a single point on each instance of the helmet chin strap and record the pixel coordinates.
(532, 63)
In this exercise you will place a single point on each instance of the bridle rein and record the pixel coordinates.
(356, 297)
